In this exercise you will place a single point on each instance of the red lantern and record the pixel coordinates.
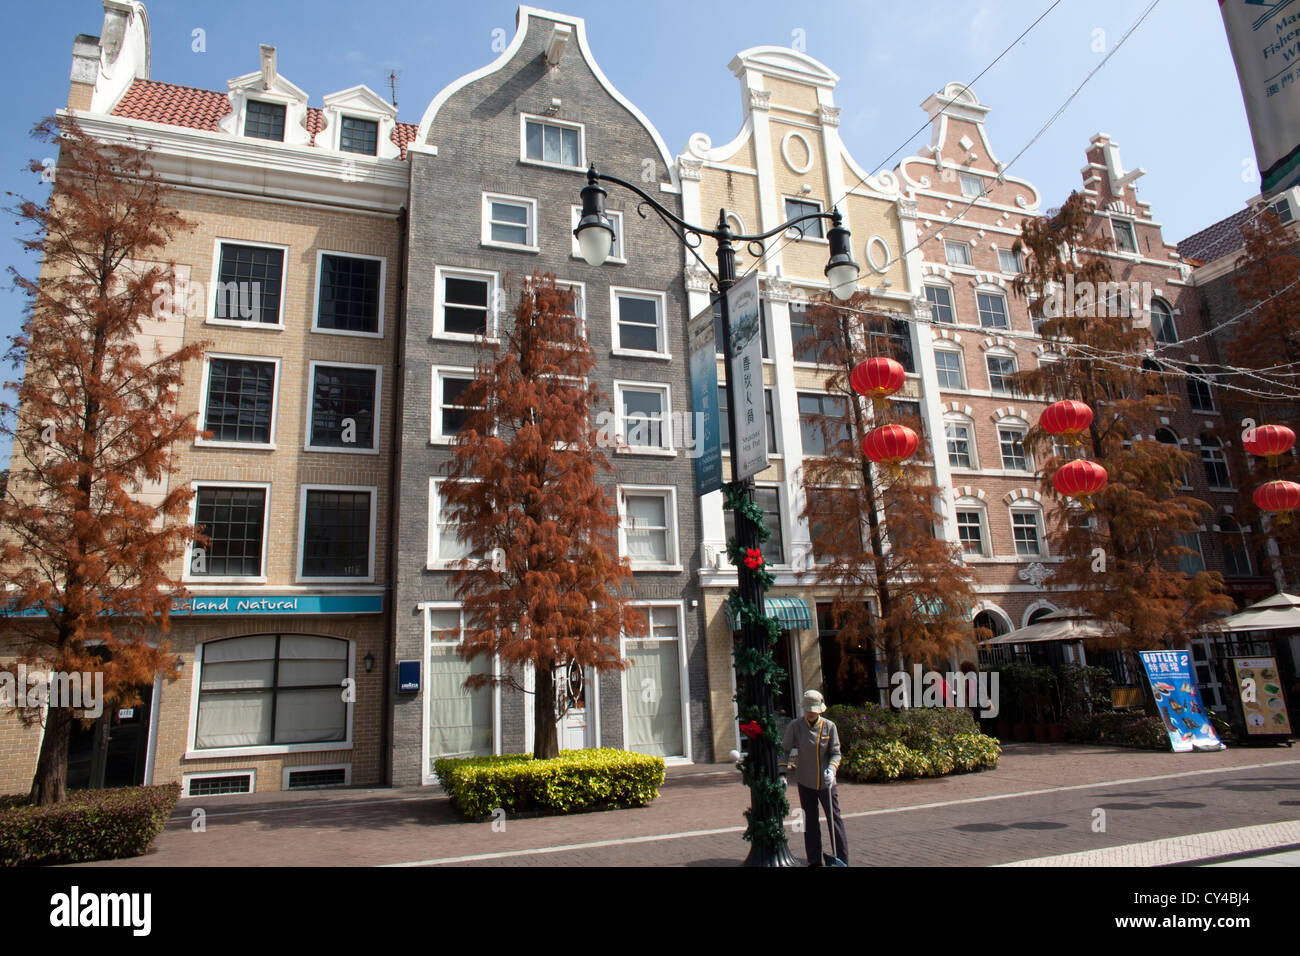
(1278, 496)
(1271, 440)
(877, 377)
(1068, 418)
(890, 444)
(1080, 478)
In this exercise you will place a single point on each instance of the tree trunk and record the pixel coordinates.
(50, 785)
(545, 741)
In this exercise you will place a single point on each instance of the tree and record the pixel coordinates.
(1122, 565)
(88, 564)
(545, 586)
(873, 527)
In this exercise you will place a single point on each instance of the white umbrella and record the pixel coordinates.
(1063, 625)
(1277, 613)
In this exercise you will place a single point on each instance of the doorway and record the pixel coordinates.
(113, 750)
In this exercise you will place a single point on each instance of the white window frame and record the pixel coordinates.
(192, 752)
(684, 680)
(195, 486)
(432, 561)
(1156, 325)
(1196, 374)
(986, 539)
(309, 408)
(1006, 310)
(427, 776)
(620, 237)
(1015, 368)
(337, 142)
(1115, 223)
(972, 444)
(203, 412)
(580, 300)
(436, 435)
(952, 302)
(661, 308)
(530, 226)
(669, 494)
(961, 367)
(1022, 428)
(950, 244)
(665, 429)
(266, 98)
(295, 768)
(211, 310)
(1019, 262)
(821, 208)
(441, 274)
(369, 576)
(249, 772)
(526, 118)
(1221, 459)
(1200, 551)
(970, 179)
(383, 288)
(1020, 509)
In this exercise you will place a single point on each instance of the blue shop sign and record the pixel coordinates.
(282, 604)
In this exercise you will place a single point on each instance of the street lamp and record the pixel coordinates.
(595, 235)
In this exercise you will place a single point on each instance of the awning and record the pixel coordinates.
(793, 613)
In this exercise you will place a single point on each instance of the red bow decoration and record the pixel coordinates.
(753, 558)
(752, 729)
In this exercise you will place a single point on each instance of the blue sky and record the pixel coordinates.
(1169, 97)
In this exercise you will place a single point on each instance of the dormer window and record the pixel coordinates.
(264, 120)
(359, 136)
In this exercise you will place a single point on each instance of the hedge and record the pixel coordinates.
(914, 727)
(576, 780)
(881, 760)
(90, 825)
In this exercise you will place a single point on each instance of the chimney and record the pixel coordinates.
(85, 70)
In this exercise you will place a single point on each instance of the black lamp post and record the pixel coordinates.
(595, 237)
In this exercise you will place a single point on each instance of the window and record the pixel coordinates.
(234, 520)
(1010, 261)
(248, 283)
(349, 294)
(1125, 238)
(904, 412)
(993, 310)
(818, 414)
(655, 722)
(940, 299)
(643, 416)
(891, 337)
(460, 722)
(359, 136)
(832, 516)
(812, 228)
(769, 416)
(509, 221)
(1167, 437)
(1198, 390)
(1236, 556)
(264, 120)
(449, 410)
(617, 251)
(1162, 322)
(1001, 368)
(344, 408)
(1012, 442)
(769, 499)
(1283, 209)
(1193, 563)
(717, 325)
(337, 533)
(649, 527)
(553, 143)
(952, 373)
(1027, 532)
(957, 253)
(803, 335)
(970, 530)
(271, 689)
(464, 307)
(972, 186)
(961, 446)
(1216, 466)
(639, 322)
(445, 547)
(240, 403)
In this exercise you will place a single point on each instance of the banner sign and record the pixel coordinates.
(1264, 36)
(1262, 703)
(1178, 700)
(282, 604)
(745, 372)
(704, 403)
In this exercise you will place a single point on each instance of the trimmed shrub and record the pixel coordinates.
(1120, 729)
(90, 825)
(882, 760)
(915, 727)
(576, 780)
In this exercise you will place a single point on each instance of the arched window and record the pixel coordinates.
(992, 621)
(1162, 322)
(1198, 390)
(1038, 615)
(1166, 436)
(1236, 556)
(1216, 465)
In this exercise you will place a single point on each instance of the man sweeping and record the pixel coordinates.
(816, 741)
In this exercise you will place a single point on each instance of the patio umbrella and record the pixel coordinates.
(1065, 625)
(1278, 613)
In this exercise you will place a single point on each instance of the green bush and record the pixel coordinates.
(575, 780)
(89, 825)
(914, 727)
(875, 761)
(1119, 728)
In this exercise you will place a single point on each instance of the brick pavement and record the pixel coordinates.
(1041, 801)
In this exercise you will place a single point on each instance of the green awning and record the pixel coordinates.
(793, 613)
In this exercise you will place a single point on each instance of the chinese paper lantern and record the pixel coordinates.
(877, 377)
(1281, 497)
(1079, 478)
(889, 444)
(1271, 440)
(1068, 418)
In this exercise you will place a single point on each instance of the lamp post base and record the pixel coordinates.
(770, 856)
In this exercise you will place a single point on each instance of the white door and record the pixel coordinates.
(571, 694)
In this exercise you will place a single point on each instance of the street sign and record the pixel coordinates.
(745, 371)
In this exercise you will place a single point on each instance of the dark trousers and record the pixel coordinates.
(812, 833)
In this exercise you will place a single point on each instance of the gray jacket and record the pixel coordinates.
(818, 746)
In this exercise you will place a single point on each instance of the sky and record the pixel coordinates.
(1169, 97)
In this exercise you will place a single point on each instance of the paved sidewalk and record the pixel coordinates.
(1042, 801)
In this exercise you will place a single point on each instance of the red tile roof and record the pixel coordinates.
(193, 108)
(1218, 240)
